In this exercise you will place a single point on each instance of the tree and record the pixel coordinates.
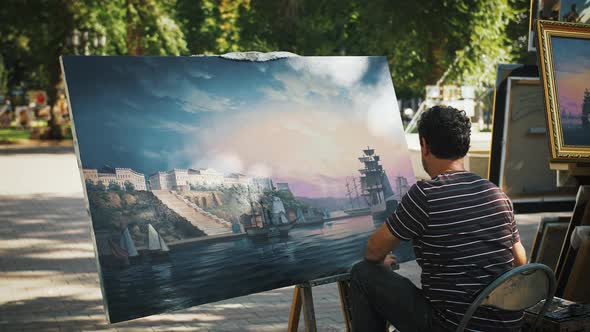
(100, 186)
(33, 35)
(213, 26)
(114, 186)
(152, 28)
(90, 186)
(421, 38)
(129, 187)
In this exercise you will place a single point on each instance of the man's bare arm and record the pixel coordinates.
(519, 254)
(381, 243)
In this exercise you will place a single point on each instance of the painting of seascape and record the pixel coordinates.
(209, 178)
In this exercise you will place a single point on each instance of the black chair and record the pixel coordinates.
(516, 290)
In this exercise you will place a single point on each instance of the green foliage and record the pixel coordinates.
(152, 28)
(129, 187)
(9, 135)
(113, 186)
(90, 186)
(421, 39)
(100, 186)
(3, 77)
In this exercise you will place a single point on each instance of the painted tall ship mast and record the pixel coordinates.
(375, 186)
(357, 205)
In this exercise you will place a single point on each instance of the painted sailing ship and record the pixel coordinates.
(311, 217)
(268, 222)
(586, 110)
(126, 243)
(356, 208)
(376, 187)
(125, 251)
(156, 244)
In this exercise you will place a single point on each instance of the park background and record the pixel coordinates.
(48, 276)
(462, 40)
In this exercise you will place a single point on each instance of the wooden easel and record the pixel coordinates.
(302, 298)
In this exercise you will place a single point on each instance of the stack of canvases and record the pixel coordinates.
(540, 153)
(564, 57)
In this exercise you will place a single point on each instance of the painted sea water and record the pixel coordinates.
(201, 273)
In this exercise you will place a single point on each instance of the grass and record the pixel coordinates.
(12, 135)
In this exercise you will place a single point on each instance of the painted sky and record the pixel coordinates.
(301, 120)
(571, 58)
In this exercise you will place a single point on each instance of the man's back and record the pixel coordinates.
(463, 230)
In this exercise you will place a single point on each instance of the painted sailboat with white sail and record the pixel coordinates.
(123, 252)
(126, 243)
(156, 244)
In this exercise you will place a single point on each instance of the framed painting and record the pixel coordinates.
(209, 178)
(564, 58)
(519, 144)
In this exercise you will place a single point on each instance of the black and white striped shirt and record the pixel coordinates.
(463, 229)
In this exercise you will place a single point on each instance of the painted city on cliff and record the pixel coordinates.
(209, 178)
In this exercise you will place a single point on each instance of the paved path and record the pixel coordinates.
(48, 275)
(206, 223)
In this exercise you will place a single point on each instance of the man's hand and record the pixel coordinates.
(381, 243)
(519, 254)
(390, 260)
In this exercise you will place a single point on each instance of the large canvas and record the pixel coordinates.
(519, 143)
(210, 178)
(565, 69)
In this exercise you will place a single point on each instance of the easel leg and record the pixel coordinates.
(308, 311)
(343, 288)
(295, 310)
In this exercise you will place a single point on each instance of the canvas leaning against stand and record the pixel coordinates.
(214, 177)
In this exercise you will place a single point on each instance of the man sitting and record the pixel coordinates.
(464, 236)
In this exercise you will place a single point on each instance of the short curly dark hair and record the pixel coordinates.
(446, 130)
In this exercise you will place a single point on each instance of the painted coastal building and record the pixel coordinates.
(237, 179)
(178, 178)
(120, 176)
(263, 183)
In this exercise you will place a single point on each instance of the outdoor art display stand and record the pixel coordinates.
(302, 299)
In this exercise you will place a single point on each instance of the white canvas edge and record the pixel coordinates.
(86, 200)
(505, 127)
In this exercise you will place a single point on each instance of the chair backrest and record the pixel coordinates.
(515, 290)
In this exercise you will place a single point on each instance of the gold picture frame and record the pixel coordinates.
(568, 112)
